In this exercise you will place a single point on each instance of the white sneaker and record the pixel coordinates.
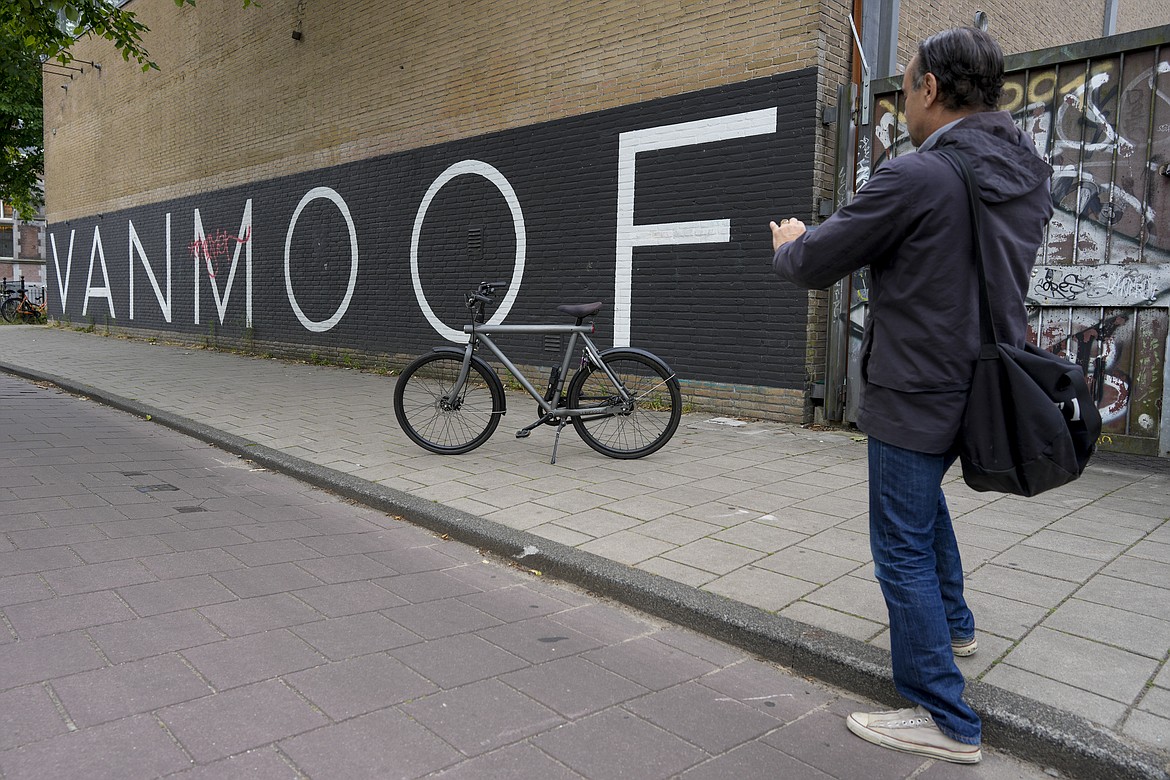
(911, 730)
(964, 647)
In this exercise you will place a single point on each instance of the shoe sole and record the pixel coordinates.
(943, 754)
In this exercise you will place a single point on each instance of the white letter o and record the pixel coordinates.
(488, 172)
(329, 194)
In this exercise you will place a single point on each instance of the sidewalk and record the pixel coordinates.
(757, 535)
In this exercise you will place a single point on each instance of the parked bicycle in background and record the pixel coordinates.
(17, 306)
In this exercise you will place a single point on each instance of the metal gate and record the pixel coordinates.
(1100, 292)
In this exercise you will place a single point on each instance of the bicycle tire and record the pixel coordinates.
(649, 421)
(427, 414)
(8, 309)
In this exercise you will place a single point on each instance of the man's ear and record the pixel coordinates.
(929, 90)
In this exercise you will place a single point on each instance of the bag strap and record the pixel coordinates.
(975, 204)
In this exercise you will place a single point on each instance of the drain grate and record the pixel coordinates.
(186, 510)
(133, 473)
(154, 488)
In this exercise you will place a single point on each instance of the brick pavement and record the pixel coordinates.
(1071, 590)
(172, 610)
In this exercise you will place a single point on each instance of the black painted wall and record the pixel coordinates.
(713, 310)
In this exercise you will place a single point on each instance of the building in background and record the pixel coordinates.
(22, 251)
(330, 178)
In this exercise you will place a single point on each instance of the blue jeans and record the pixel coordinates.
(916, 561)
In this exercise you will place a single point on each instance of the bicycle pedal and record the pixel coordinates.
(523, 434)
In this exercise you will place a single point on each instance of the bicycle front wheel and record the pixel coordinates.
(626, 429)
(436, 419)
(8, 309)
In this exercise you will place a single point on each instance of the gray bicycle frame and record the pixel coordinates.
(481, 333)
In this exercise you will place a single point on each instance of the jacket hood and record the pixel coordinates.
(1002, 156)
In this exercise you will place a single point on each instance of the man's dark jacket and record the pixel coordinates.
(911, 224)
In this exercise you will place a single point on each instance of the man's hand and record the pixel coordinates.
(787, 230)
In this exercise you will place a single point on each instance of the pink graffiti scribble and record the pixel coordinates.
(215, 247)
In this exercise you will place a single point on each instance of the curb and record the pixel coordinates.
(1031, 730)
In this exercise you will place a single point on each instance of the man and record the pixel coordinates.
(911, 224)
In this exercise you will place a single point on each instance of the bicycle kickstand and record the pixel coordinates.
(557, 440)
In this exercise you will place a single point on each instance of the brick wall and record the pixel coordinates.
(237, 99)
(374, 99)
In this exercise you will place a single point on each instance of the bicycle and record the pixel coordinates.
(17, 306)
(623, 402)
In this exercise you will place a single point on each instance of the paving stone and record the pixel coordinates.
(703, 717)
(344, 568)
(714, 556)
(253, 658)
(153, 598)
(131, 688)
(353, 635)
(1138, 633)
(634, 748)
(445, 617)
(357, 686)
(628, 547)
(821, 740)
(520, 602)
(539, 639)
(453, 661)
(1019, 585)
(480, 717)
(521, 760)
(119, 549)
(201, 540)
(131, 747)
(650, 663)
(832, 620)
(383, 744)
(760, 536)
(806, 564)
(609, 624)
(190, 564)
(1145, 599)
(760, 588)
(23, 588)
(1152, 550)
(1003, 616)
(27, 714)
(1099, 709)
(852, 595)
(348, 598)
(1092, 666)
(573, 686)
(753, 761)
(264, 553)
(142, 638)
(677, 530)
(31, 561)
(417, 559)
(149, 526)
(1149, 728)
(222, 724)
(263, 764)
(66, 613)
(263, 613)
(1049, 563)
(265, 580)
(842, 543)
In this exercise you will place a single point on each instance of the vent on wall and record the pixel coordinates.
(475, 242)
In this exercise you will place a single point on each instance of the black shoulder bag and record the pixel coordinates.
(1031, 423)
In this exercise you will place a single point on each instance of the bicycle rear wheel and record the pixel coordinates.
(8, 309)
(626, 429)
(436, 420)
